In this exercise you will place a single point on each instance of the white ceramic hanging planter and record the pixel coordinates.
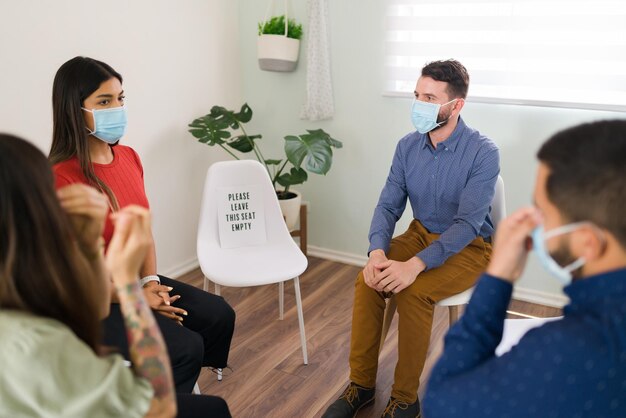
(277, 52)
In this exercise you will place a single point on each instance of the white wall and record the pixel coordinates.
(370, 125)
(177, 59)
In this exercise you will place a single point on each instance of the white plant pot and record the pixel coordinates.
(291, 209)
(277, 52)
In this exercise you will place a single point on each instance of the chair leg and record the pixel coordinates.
(303, 228)
(390, 311)
(205, 284)
(296, 285)
(281, 300)
(217, 292)
(196, 389)
(453, 314)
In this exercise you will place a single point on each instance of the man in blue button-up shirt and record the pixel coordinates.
(573, 367)
(448, 172)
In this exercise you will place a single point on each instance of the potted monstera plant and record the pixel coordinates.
(278, 44)
(308, 152)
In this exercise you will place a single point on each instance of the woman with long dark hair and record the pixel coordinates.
(54, 287)
(89, 119)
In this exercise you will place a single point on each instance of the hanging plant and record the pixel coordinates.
(276, 26)
(278, 44)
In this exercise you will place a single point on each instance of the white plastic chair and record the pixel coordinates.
(277, 260)
(498, 212)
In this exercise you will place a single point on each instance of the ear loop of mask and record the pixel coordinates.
(578, 263)
(448, 118)
(93, 117)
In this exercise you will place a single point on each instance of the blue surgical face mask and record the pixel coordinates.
(109, 125)
(424, 115)
(540, 237)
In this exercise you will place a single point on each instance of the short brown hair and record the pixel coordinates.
(587, 180)
(452, 72)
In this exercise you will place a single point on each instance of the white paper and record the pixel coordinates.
(241, 216)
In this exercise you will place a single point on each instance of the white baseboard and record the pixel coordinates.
(542, 298)
(346, 258)
(519, 293)
(180, 269)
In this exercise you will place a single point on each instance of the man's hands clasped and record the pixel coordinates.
(389, 276)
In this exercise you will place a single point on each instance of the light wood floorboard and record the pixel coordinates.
(268, 377)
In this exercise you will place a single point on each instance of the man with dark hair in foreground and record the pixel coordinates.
(576, 366)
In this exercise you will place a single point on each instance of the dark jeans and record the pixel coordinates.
(201, 406)
(204, 340)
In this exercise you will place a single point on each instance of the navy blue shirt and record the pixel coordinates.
(574, 367)
(450, 189)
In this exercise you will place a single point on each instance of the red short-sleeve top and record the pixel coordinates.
(124, 176)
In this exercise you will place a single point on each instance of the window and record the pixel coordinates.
(547, 53)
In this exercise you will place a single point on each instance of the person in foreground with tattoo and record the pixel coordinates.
(53, 275)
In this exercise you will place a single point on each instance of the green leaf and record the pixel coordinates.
(245, 114)
(217, 123)
(273, 162)
(209, 130)
(197, 123)
(224, 117)
(198, 133)
(295, 176)
(276, 26)
(334, 143)
(311, 149)
(329, 140)
(243, 143)
(213, 129)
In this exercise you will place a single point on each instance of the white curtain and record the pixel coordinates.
(319, 89)
(567, 53)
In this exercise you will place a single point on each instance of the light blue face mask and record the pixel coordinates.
(424, 115)
(109, 125)
(540, 237)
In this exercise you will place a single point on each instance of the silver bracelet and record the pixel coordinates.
(151, 278)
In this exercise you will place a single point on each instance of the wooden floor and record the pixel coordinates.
(268, 377)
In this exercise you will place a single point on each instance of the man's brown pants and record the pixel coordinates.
(415, 310)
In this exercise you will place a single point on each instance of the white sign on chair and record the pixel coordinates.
(241, 216)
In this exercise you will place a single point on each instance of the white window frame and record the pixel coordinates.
(400, 37)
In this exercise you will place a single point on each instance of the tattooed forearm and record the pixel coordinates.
(147, 348)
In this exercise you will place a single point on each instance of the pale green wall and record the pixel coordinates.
(370, 125)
